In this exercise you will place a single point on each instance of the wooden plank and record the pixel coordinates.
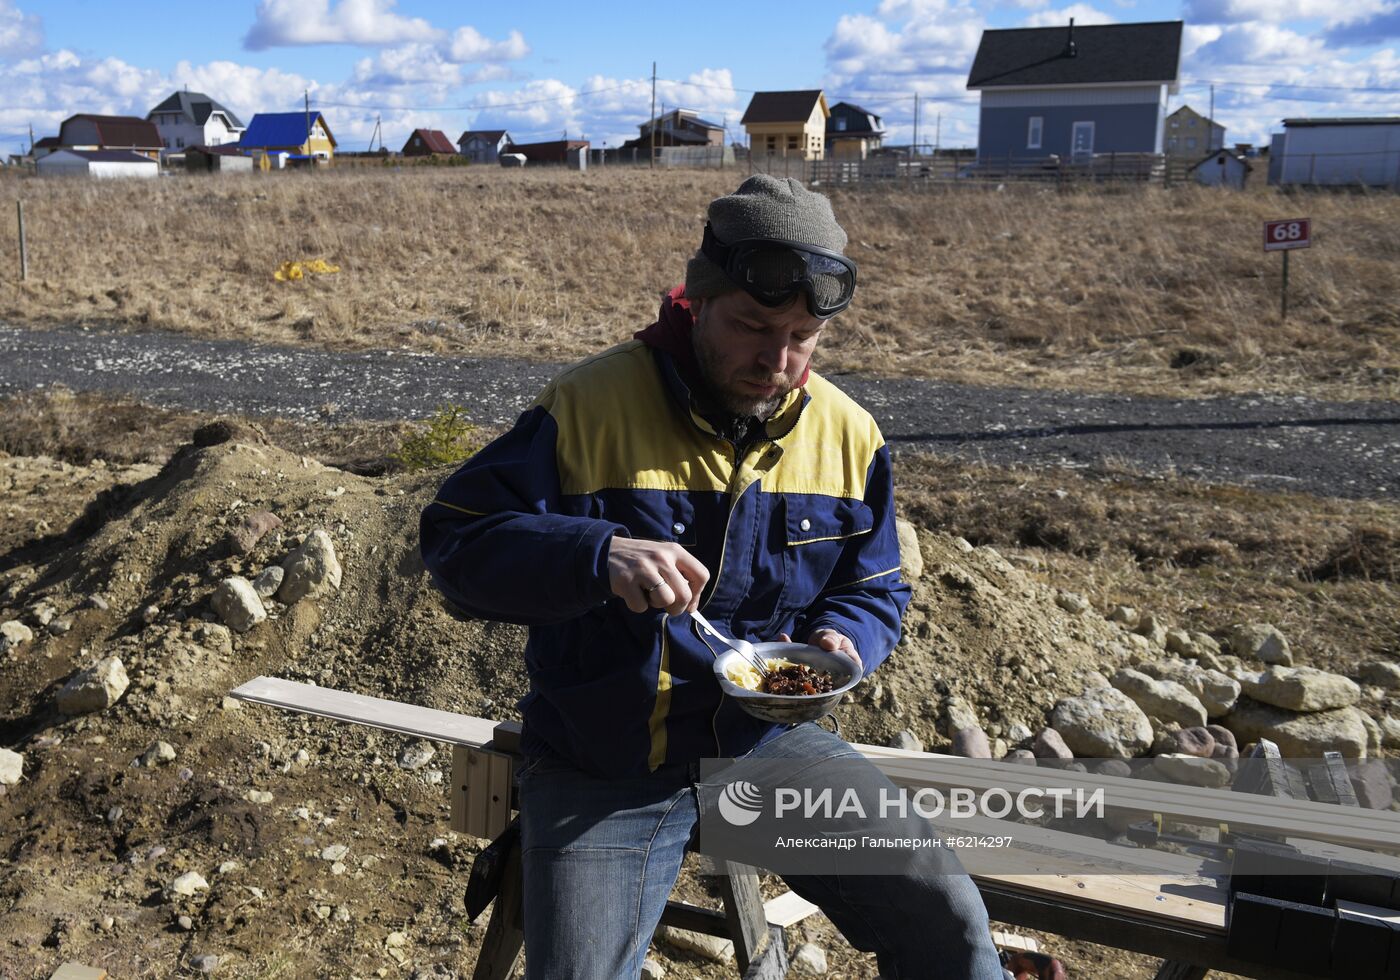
(1366, 828)
(1182, 903)
(743, 909)
(361, 709)
(481, 791)
(772, 962)
(1009, 940)
(505, 934)
(788, 909)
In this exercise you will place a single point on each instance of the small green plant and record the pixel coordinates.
(446, 437)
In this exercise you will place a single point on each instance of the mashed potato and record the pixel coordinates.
(746, 675)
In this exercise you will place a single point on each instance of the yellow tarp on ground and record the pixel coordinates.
(293, 271)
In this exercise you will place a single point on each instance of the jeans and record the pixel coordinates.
(600, 857)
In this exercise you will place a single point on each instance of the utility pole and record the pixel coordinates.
(306, 95)
(31, 139)
(653, 116)
(914, 147)
(937, 133)
(1210, 128)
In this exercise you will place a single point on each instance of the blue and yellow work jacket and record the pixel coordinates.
(797, 531)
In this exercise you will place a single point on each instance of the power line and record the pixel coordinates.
(473, 107)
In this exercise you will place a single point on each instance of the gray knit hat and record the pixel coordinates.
(764, 207)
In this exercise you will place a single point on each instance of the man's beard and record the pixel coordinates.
(737, 402)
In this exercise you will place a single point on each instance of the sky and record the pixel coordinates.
(545, 70)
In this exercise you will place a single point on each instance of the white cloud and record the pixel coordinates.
(1081, 12)
(411, 64)
(1275, 11)
(468, 44)
(20, 33)
(1258, 44)
(279, 23)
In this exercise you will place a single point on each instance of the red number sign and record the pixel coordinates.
(1293, 233)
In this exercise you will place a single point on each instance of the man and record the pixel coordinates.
(700, 464)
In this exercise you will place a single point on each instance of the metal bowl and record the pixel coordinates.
(789, 709)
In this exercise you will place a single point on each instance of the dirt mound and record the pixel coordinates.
(260, 803)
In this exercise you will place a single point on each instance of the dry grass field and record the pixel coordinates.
(1154, 290)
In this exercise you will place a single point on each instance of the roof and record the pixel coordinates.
(119, 130)
(1238, 157)
(870, 121)
(196, 106)
(46, 142)
(280, 129)
(489, 135)
(1345, 121)
(222, 150)
(1102, 53)
(107, 156)
(774, 107)
(434, 139)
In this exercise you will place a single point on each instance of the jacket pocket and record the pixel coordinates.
(818, 530)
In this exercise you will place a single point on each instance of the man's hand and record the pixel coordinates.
(655, 575)
(830, 640)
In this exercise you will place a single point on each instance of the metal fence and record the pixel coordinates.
(1142, 168)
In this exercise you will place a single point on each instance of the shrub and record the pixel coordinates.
(446, 437)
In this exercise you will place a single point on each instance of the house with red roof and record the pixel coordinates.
(427, 143)
(86, 131)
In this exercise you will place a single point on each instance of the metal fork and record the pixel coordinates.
(743, 648)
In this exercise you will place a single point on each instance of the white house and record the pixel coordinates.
(193, 119)
(1223, 168)
(483, 145)
(96, 163)
(1359, 150)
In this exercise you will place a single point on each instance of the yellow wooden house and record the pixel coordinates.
(783, 124)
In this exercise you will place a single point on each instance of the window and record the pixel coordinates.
(840, 124)
(1190, 142)
(1176, 124)
(1033, 131)
(792, 143)
(180, 143)
(1171, 143)
(1191, 122)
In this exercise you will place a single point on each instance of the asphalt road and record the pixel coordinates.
(1344, 449)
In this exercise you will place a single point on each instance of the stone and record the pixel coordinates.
(1167, 700)
(238, 604)
(258, 796)
(205, 963)
(1017, 732)
(13, 633)
(960, 715)
(1375, 738)
(1179, 643)
(184, 922)
(1103, 722)
(1154, 629)
(652, 970)
(417, 755)
(1299, 735)
(1223, 736)
(334, 852)
(1390, 732)
(1205, 643)
(245, 535)
(1215, 690)
(94, 689)
(312, 570)
(963, 545)
(1301, 688)
(1227, 755)
(809, 959)
(1125, 616)
(215, 637)
(971, 743)
(60, 626)
(149, 614)
(11, 767)
(710, 947)
(1191, 770)
(269, 580)
(1372, 784)
(911, 557)
(96, 601)
(1050, 746)
(1382, 673)
(1114, 767)
(1072, 602)
(188, 884)
(1196, 741)
(1021, 757)
(1262, 641)
(908, 741)
(158, 754)
(395, 940)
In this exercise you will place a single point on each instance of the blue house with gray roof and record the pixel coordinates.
(1074, 92)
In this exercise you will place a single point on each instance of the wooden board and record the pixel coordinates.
(361, 709)
(788, 909)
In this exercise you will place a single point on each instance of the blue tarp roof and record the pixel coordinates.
(278, 129)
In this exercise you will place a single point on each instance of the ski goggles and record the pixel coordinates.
(773, 271)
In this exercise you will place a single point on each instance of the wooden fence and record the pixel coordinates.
(1103, 168)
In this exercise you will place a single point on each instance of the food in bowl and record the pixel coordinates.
(784, 677)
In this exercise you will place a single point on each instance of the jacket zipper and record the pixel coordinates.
(714, 584)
